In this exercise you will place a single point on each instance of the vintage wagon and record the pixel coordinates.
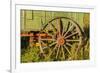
(58, 33)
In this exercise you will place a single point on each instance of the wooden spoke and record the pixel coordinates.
(68, 44)
(41, 49)
(49, 34)
(48, 39)
(72, 40)
(71, 35)
(60, 26)
(57, 51)
(69, 30)
(67, 49)
(43, 43)
(45, 47)
(52, 44)
(63, 54)
(66, 27)
(53, 50)
(53, 26)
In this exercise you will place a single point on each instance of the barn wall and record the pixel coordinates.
(33, 20)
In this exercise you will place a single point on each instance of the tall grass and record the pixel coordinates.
(32, 54)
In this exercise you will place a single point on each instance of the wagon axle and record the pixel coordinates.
(60, 41)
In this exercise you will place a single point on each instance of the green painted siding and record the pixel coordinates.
(33, 20)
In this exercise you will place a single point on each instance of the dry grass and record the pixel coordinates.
(32, 54)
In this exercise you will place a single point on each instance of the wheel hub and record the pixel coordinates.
(60, 41)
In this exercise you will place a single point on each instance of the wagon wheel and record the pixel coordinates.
(62, 36)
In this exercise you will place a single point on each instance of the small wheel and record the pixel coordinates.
(62, 36)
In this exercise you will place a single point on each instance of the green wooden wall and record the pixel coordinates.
(33, 20)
